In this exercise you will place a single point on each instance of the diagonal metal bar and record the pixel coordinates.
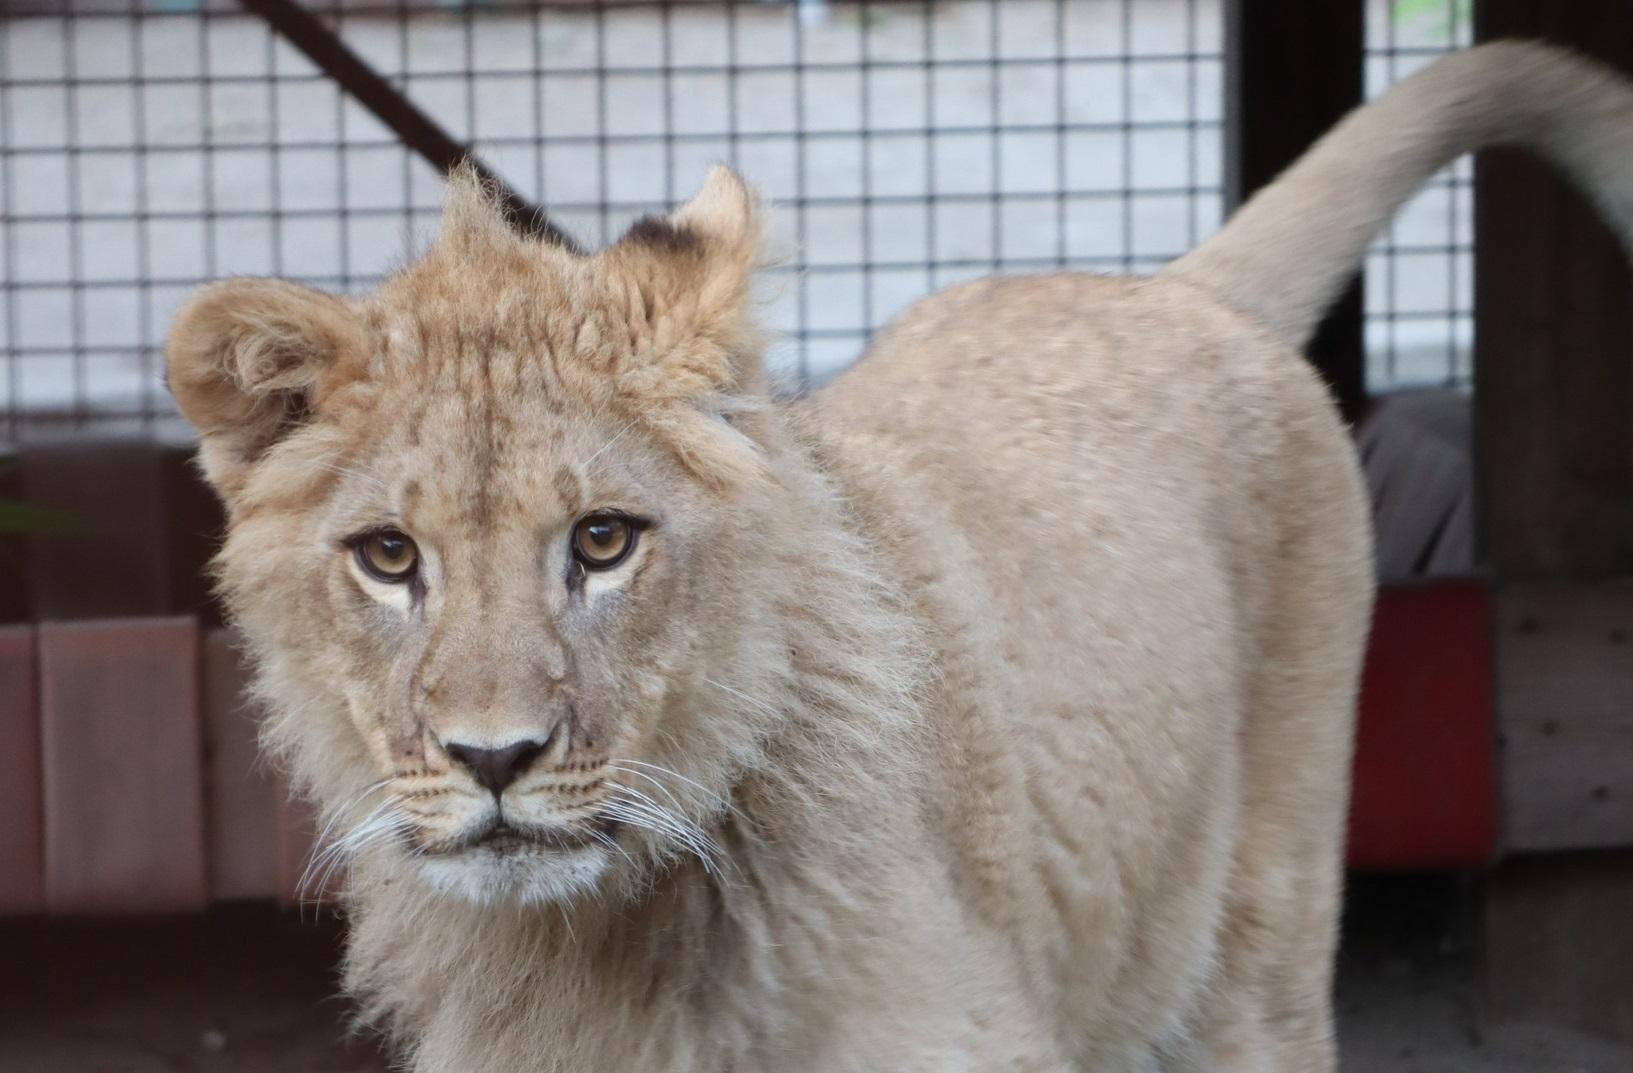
(413, 128)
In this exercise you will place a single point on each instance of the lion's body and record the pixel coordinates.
(1158, 688)
(988, 710)
(1114, 835)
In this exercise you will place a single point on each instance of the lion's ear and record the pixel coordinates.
(703, 360)
(246, 360)
(696, 268)
(725, 215)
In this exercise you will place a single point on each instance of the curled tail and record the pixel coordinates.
(1290, 251)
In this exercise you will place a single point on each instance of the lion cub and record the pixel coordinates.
(989, 710)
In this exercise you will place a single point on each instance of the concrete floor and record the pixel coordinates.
(248, 989)
(1409, 997)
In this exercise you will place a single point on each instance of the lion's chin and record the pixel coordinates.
(516, 875)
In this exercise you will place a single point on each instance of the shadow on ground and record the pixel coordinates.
(251, 989)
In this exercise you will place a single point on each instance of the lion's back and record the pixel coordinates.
(1121, 462)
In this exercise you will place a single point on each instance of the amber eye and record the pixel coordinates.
(388, 555)
(602, 541)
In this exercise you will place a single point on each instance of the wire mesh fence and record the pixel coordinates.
(1420, 276)
(150, 145)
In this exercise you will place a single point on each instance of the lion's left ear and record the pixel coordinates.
(696, 269)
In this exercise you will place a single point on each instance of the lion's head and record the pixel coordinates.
(503, 536)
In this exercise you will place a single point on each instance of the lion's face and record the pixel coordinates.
(487, 535)
(510, 595)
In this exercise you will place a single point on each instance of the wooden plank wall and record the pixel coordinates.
(145, 526)
(241, 824)
(1554, 439)
(1553, 339)
(1565, 711)
(129, 773)
(120, 751)
(155, 799)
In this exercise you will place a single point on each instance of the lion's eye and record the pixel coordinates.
(602, 541)
(387, 555)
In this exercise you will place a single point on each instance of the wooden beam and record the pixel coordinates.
(1564, 700)
(22, 860)
(14, 558)
(1292, 69)
(1553, 341)
(113, 562)
(241, 826)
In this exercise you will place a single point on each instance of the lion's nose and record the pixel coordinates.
(496, 768)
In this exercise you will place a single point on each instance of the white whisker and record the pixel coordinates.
(661, 816)
(381, 822)
(760, 704)
(660, 820)
(612, 844)
(718, 799)
(625, 816)
(643, 775)
(605, 446)
(335, 816)
(357, 474)
(567, 923)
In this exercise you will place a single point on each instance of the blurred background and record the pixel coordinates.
(149, 867)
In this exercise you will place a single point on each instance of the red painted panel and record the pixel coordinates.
(122, 761)
(22, 865)
(1425, 758)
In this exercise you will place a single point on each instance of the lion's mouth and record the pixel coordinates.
(505, 839)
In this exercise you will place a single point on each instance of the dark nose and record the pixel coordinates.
(496, 768)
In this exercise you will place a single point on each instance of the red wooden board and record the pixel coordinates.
(1425, 758)
(108, 752)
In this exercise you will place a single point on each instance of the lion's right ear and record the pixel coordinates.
(248, 359)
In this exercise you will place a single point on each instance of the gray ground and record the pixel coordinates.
(249, 990)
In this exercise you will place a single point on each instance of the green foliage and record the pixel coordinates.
(1443, 15)
(19, 517)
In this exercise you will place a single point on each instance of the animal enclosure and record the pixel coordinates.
(149, 145)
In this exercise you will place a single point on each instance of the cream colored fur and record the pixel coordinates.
(991, 709)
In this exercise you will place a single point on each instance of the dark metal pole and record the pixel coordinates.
(413, 127)
(1293, 68)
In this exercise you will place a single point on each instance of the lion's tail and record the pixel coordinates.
(1289, 252)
